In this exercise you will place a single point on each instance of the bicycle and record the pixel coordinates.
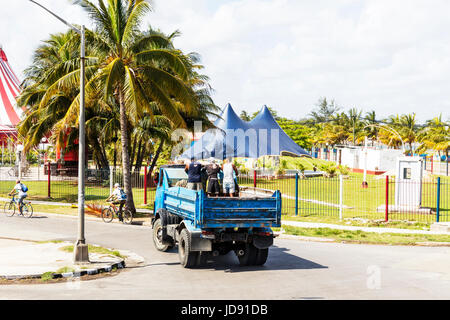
(10, 208)
(109, 212)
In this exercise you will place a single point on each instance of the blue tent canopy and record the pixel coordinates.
(235, 138)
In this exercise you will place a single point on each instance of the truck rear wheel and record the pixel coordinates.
(188, 259)
(249, 256)
(157, 237)
(261, 256)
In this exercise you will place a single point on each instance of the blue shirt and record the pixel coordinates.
(194, 172)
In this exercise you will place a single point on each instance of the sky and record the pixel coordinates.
(383, 55)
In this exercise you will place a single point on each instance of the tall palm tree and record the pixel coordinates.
(371, 125)
(132, 69)
(125, 67)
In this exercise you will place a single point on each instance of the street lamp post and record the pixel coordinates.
(81, 254)
(19, 156)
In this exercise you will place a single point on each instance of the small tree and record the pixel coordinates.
(329, 169)
(301, 168)
(343, 170)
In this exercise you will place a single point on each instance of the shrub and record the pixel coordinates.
(344, 170)
(329, 169)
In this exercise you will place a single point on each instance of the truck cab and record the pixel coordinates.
(205, 226)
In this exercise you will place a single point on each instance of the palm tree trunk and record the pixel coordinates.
(133, 152)
(125, 154)
(138, 163)
(155, 158)
(115, 155)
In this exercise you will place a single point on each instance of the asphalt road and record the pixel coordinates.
(295, 269)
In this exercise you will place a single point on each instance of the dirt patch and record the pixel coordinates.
(101, 275)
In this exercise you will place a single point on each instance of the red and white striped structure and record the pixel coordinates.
(10, 115)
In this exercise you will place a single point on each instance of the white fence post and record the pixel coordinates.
(341, 196)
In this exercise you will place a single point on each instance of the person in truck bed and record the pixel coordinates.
(213, 171)
(194, 171)
(229, 172)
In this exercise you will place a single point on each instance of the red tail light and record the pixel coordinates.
(264, 234)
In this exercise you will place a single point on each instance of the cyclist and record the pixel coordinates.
(118, 197)
(21, 190)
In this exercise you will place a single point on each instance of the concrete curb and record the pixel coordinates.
(131, 260)
(76, 274)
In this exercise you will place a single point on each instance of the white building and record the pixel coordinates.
(377, 161)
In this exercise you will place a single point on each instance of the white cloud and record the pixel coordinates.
(391, 56)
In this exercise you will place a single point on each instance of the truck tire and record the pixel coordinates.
(202, 258)
(261, 256)
(188, 259)
(249, 257)
(157, 237)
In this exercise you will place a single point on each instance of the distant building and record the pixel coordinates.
(376, 161)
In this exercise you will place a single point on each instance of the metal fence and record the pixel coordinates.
(380, 198)
(437, 167)
(310, 194)
(63, 187)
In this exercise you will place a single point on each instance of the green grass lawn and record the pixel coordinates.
(366, 237)
(413, 225)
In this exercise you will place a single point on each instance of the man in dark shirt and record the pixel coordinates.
(194, 171)
(213, 180)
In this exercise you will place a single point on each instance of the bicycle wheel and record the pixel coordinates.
(127, 217)
(107, 215)
(9, 209)
(27, 210)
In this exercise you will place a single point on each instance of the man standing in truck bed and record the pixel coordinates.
(194, 171)
(213, 179)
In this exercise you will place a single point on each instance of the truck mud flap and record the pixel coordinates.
(200, 244)
(262, 242)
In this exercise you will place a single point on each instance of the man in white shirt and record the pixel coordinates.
(19, 190)
(229, 172)
(119, 197)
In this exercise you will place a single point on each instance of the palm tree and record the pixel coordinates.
(125, 67)
(245, 116)
(133, 69)
(371, 126)
(354, 117)
(435, 136)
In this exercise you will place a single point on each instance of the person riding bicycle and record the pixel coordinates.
(21, 190)
(118, 197)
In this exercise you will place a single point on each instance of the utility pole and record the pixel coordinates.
(81, 254)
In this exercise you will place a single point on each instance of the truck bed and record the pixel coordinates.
(252, 209)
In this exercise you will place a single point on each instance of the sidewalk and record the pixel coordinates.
(355, 228)
(28, 259)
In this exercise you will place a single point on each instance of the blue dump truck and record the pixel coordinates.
(210, 226)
